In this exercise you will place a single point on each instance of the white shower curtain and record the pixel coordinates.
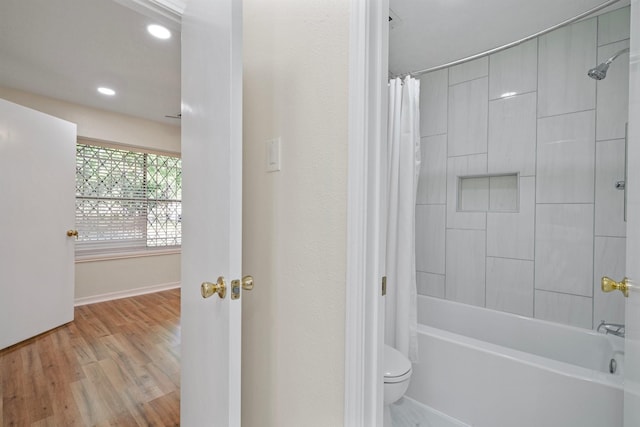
(404, 166)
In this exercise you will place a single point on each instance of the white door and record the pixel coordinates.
(632, 309)
(212, 210)
(37, 207)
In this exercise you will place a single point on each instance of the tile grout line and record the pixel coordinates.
(446, 184)
(486, 215)
(535, 180)
(595, 183)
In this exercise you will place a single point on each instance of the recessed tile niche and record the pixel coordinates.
(488, 193)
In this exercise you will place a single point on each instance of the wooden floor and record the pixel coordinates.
(116, 364)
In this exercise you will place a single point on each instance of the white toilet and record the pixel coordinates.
(397, 373)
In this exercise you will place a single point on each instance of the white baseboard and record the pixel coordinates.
(125, 294)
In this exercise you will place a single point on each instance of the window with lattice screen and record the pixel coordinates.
(127, 200)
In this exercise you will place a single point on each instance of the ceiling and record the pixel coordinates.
(65, 49)
(430, 33)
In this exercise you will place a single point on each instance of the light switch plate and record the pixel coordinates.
(273, 155)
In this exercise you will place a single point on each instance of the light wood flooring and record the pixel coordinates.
(116, 364)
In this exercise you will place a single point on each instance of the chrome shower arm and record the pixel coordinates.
(620, 52)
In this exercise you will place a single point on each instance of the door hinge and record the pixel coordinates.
(384, 285)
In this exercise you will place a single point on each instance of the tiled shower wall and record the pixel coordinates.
(530, 110)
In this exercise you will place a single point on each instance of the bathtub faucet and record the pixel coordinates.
(611, 328)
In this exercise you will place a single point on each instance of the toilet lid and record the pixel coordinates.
(402, 378)
(396, 366)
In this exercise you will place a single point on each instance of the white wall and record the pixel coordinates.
(102, 125)
(96, 278)
(294, 221)
(563, 133)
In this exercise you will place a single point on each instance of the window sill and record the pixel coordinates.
(138, 253)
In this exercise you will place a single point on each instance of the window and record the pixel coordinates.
(127, 200)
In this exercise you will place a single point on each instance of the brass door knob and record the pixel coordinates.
(71, 233)
(220, 287)
(608, 285)
(247, 283)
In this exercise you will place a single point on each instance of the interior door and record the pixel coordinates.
(212, 210)
(37, 207)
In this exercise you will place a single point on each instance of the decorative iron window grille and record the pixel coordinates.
(127, 200)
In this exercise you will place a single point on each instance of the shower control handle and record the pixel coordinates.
(609, 285)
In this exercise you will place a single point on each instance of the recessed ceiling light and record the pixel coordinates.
(106, 91)
(159, 31)
(508, 94)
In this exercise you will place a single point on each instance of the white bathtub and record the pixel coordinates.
(493, 369)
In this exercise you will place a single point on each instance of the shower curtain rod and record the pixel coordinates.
(512, 44)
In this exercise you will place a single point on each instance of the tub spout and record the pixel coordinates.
(611, 328)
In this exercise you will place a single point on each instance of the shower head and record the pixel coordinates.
(600, 72)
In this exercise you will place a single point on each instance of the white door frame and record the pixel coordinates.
(364, 325)
(632, 303)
